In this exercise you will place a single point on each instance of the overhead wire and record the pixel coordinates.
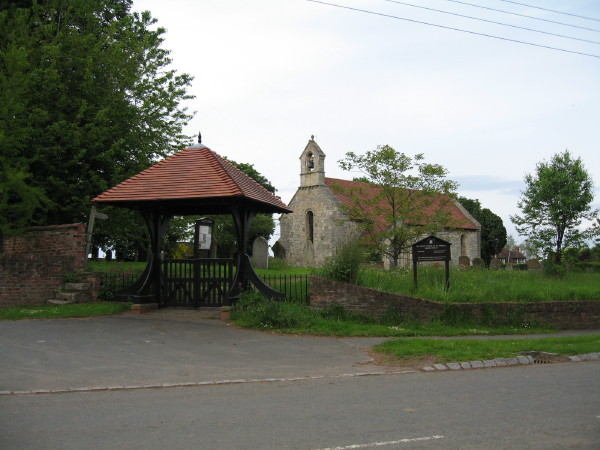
(492, 21)
(524, 15)
(551, 10)
(453, 28)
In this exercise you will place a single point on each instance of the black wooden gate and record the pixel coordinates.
(196, 283)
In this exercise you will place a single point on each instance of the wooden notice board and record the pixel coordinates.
(428, 250)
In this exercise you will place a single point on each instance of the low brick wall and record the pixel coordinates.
(378, 304)
(33, 266)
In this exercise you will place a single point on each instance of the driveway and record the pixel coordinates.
(166, 347)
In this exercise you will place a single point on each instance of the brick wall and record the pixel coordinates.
(33, 266)
(377, 304)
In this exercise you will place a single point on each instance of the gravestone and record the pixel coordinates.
(495, 263)
(533, 265)
(260, 253)
(464, 262)
(279, 250)
(478, 263)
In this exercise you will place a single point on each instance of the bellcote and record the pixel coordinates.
(312, 165)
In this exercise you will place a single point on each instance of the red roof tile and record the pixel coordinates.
(458, 218)
(195, 173)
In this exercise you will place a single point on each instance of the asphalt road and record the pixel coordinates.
(291, 392)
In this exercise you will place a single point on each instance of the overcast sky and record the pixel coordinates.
(271, 73)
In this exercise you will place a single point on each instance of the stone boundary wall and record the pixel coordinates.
(378, 304)
(33, 266)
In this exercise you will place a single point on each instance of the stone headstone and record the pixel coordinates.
(278, 250)
(260, 253)
(534, 265)
(464, 262)
(478, 263)
(495, 263)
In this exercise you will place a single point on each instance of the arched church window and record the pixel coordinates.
(310, 226)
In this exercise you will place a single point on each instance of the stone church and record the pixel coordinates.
(311, 234)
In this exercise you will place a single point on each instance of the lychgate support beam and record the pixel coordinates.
(148, 288)
(243, 217)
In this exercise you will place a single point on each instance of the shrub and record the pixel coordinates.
(345, 264)
(256, 311)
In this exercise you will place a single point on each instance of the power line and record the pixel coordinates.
(491, 21)
(551, 10)
(452, 28)
(524, 15)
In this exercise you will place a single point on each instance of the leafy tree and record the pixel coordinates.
(408, 201)
(556, 200)
(87, 99)
(493, 232)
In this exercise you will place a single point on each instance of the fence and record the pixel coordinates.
(113, 282)
(295, 287)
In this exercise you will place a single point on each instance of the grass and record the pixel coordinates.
(481, 350)
(254, 311)
(484, 286)
(63, 311)
(276, 268)
(114, 266)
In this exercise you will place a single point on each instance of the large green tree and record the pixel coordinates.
(555, 203)
(87, 100)
(493, 232)
(409, 201)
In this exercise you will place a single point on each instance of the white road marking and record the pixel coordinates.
(381, 444)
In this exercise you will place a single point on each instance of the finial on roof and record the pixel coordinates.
(312, 137)
(199, 138)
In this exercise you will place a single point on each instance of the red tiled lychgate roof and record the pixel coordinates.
(192, 176)
(457, 217)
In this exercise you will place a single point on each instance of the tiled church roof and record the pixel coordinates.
(458, 217)
(193, 174)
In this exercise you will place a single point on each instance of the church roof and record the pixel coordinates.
(511, 255)
(459, 217)
(193, 177)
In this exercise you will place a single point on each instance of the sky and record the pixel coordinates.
(269, 74)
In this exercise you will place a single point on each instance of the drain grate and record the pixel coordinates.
(545, 357)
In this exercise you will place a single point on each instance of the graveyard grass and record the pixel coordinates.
(485, 286)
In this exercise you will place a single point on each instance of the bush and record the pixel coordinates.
(345, 264)
(256, 311)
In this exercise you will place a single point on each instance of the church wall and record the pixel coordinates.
(464, 243)
(330, 228)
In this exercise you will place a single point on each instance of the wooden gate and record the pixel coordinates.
(196, 283)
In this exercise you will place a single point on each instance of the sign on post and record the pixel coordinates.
(431, 249)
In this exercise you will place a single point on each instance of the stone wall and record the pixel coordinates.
(33, 266)
(378, 304)
(330, 227)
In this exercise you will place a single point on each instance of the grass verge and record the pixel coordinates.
(63, 311)
(254, 311)
(476, 350)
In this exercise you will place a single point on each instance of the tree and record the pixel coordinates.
(493, 232)
(408, 202)
(87, 99)
(554, 204)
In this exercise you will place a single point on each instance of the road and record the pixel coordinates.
(330, 404)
